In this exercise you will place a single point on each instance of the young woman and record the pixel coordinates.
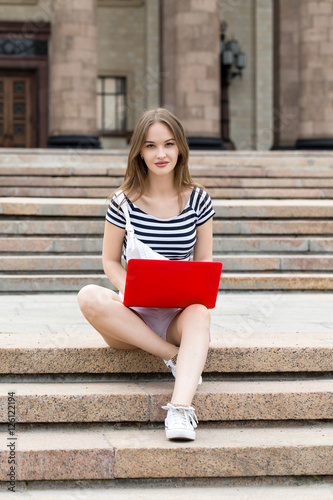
(172, 216)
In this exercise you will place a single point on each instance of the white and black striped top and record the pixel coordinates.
(175, 237)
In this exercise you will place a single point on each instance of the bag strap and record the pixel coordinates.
(124, 206)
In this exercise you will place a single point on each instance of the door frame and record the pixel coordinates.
(37, 64)
(33, 94)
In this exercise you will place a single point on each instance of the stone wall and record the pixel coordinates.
(31, 11)
(304, 96)
(287, 78)
(316, 71)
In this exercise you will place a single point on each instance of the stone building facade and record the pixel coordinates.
(81, 72)
(304, 73)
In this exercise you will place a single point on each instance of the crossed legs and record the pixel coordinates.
(123, 328)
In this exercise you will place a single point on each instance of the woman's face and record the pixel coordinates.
(160, 151)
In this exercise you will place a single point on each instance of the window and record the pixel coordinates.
(17, 46)
(111, 103)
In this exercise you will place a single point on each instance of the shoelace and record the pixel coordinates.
(186, 413)
(172, 367)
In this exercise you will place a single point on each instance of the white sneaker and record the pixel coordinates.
(170, 364)
(180, 422)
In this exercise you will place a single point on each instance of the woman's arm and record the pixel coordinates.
(203, 249)
(112, 248)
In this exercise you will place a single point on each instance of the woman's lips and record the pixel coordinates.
(161, 163)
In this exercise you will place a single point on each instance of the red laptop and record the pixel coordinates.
(171, 283)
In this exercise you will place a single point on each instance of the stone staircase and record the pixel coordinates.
(88, 419)
(273, 228)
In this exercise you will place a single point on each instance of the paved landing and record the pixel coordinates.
(243, 315)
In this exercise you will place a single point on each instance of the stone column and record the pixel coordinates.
(152, 65)
(286, 73)
(263, 32)
(316, 75)
(191, 68)
(73, 74)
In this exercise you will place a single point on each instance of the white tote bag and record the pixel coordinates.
(135, 249)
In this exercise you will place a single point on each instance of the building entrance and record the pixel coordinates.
(17, 110)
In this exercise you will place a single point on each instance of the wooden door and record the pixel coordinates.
(16, 110)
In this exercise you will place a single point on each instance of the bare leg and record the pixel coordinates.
(190, 330)
(120, 327)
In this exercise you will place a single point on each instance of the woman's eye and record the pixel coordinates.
(170, 143)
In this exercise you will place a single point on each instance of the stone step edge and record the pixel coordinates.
(231, 275)
(103, 452)
(303, 489)
(231, 193)
(227, 254)
(243, 352)
(217, 256)
(142, 401)
(40, 152)
(282, 281)
(32, 263)
(58, 226)
(218, 238)
(219, 166)
(300, 208)
(92, 181)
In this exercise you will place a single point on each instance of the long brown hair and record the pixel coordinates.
(135, 179)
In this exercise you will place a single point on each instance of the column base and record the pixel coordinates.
(205, 143)
(318, 144)
(228, 144)
(74, 141)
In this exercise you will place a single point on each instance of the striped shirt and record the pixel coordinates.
(174, 238)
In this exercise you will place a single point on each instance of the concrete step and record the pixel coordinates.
(215, 192)
(200, 167)
(276, 227)
(141, 401)
(262, 263)
(239, 244)
(53, 226)
(54, 245)
(272, 244)
(67, 160)
(279, 209)
(66, 226)
(229, 209)
(244, 350)
(43, 452)
(262, 182)
(251, 333)
(299, 489)
(51, 263)
(73, 282)
(92, 180)
(231, 263)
